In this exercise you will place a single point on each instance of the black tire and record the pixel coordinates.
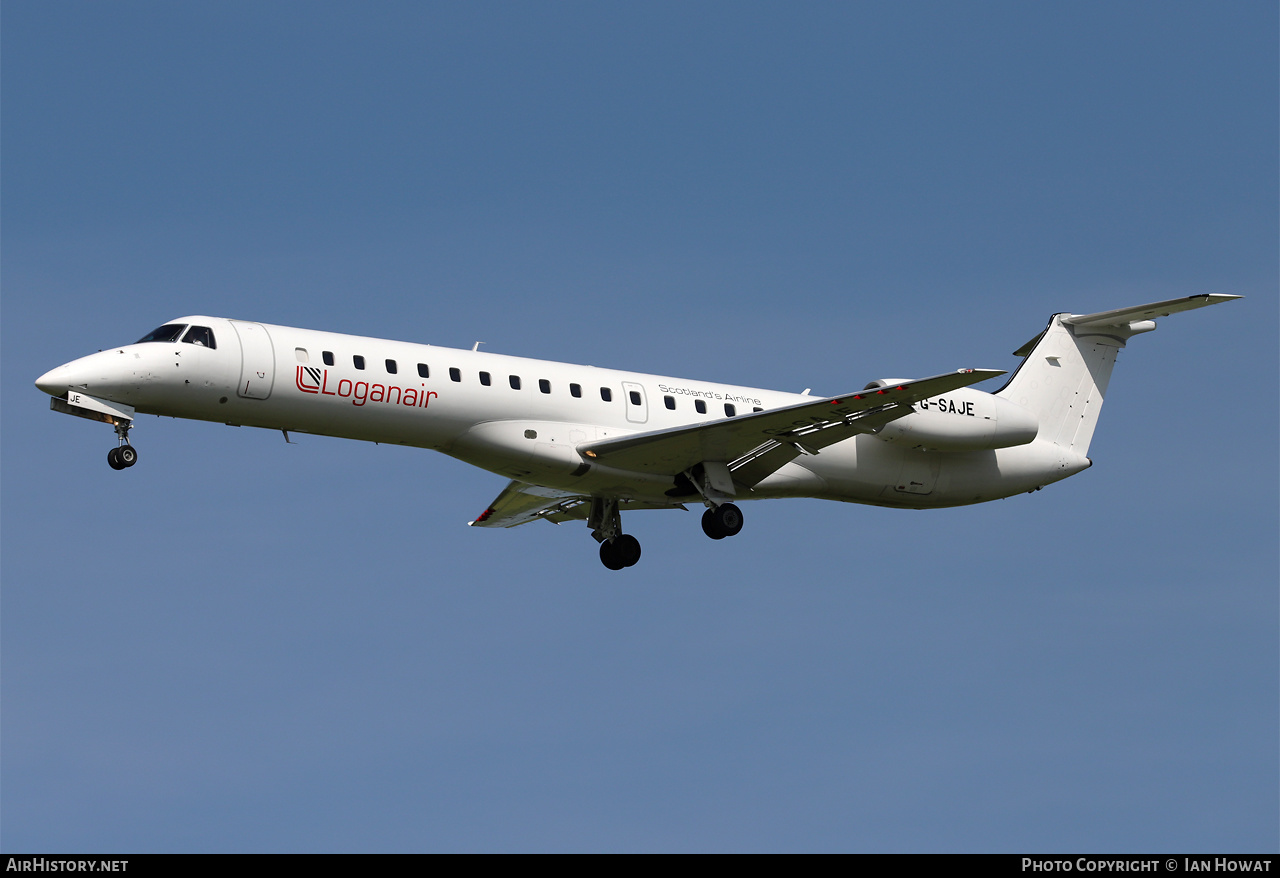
(113, 459)
(127, 455)
(711, 527)
(729, 519)
(610, 556)
(628, 549)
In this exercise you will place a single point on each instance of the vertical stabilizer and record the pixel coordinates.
(1062, 382)
(1067, 368)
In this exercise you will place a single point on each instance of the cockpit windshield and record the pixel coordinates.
(168, 332)
(201, 335)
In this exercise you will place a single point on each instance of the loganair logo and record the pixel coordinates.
(312, 380)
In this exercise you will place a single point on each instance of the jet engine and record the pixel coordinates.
(962, 420)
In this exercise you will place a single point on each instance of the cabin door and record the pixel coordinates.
(637, 407)
(257, 360)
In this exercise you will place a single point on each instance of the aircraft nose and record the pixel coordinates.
(78, 374)
(54, 382)
(105, 374)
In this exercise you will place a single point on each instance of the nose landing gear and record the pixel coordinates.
(125, 455)
(122, 457)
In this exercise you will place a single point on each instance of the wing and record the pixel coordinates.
(521, 503)
(757, 444)
(754, 445)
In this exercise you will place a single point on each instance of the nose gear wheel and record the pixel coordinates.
(123, 457)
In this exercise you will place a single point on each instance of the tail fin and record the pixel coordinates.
(1064, 377)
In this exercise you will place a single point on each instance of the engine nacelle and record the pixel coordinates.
(962, 420)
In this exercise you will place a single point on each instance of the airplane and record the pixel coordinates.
(580, 443)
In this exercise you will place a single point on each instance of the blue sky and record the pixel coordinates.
(240, 645)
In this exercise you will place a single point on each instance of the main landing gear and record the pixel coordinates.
(124, 455)
(620, 551)
(714, 482)
(617, 550)
(722, 521)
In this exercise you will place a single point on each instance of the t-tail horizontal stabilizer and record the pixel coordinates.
(1067, 368)
(1121, 316)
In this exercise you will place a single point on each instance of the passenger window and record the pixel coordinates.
(327, 356)
(423, 371)
(515, 382)
(203, 336)
(635, 397)
(669, 402)
(757, 409)
(700, 405)
(575, 390)
(544, 385)
(455, 374)
(485, 379)
(391, 367)
(300, 353)
(606, 394)
(730, 409)
(358, 360)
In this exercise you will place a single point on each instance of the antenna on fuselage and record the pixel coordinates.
(476, 346)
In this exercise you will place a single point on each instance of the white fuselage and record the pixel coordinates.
(526, 422)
